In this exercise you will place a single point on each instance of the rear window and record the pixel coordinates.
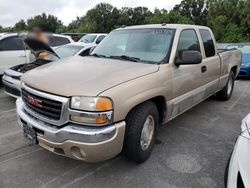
(207, 42)
(68, 50)
(11, 44)
(58, 41)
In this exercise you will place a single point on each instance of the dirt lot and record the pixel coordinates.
(192, 151)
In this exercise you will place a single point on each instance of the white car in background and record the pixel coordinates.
(93, 38)
(237, 173)
(12, 76)
(13, 51)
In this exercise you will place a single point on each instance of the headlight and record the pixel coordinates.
(91, 110)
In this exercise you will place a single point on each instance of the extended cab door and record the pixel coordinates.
(188, 85)
(12, 52)
(211, 62)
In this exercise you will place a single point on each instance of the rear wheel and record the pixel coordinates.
(142, 124)
(226, 92)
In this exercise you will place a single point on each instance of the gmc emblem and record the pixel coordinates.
(35, 102)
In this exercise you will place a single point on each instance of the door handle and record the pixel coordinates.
(203, 69)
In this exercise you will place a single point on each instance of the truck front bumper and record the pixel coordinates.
(90, 144)
(11, 86)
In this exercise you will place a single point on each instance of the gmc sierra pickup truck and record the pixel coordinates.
(138, 78)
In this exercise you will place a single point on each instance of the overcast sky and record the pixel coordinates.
(11, 11)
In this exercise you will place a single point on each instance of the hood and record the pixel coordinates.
(38, 46)
(85, 76)
(245, 58)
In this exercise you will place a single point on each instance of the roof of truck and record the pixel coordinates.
(173, 26)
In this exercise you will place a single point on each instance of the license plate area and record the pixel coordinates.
(30, 134)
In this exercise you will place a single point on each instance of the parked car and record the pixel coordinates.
(56, 40)
(222, 45)
(245, 61)
(14, 52)
(238, 168)
(74, 49)
(12, 76)
(93, 38)
(137, 78)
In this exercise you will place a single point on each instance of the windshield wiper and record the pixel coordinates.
(134, 59)
(98, 55)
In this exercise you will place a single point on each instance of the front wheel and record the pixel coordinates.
(142, 124)
(227, 91)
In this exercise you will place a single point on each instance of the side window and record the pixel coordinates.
(11, 44)
(58, 41)
(99, 39)
(188, 41)
(207, 42)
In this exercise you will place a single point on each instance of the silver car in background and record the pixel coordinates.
(12, 76)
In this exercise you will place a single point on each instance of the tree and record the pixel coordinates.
(196, 10)
(162, 16)
(48, 23)
(229, 19)
(20, 26)
(1, 29)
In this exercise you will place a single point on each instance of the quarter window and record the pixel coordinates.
(58, 41)
(11, 44)
(207, 42)
(99, 39)
(188, 41)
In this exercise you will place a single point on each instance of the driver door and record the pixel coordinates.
(187, 83)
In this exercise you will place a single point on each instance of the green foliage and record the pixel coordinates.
(174, 17)
(196, 10)
(1, 29)
(48, 23)
(229, 19)
(20, 26)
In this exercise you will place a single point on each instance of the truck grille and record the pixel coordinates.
(42, 106)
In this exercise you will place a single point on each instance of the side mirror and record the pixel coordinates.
(189, 57)
(92, 49)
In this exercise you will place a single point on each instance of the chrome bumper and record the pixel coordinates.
(13, 84)
(92, 140)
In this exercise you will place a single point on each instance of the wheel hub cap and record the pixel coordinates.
(230, 86)
(147, 132)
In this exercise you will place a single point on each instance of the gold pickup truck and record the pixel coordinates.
(138, 78)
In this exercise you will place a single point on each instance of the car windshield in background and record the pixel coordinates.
(244, 48)
(143, 45)
(88, 38)
(68, 50)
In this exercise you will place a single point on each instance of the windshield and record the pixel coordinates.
(144, 45)
(88, 38)
(245, 49)
(68, 50)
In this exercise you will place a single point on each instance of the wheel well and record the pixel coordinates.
(234, 69)
(160, 103)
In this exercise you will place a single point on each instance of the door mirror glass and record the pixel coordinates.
(188, 58)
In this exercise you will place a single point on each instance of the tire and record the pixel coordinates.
(140, 120)
(226, 93)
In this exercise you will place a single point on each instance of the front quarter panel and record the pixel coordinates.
(129, 94)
